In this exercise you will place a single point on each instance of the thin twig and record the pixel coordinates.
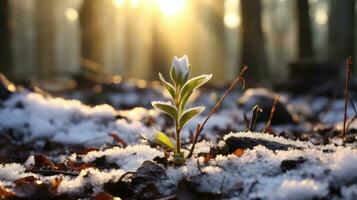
(354, 117)
(246, 120)
(215, 108)
(348, 75)
(173, 196)
(125, 175)
(272, 111)
(49, 172)
(255, 111)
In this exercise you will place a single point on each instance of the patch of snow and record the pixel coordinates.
(299, 189)
(12, 172)
(129, 158)
(89, 177)
(67, 121)
(268, 137)
(350, 192)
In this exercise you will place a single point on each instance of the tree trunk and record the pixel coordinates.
(305, 49)
(341, 30)
(160, 50)
(253, 48)
(218, 31)
(5, 55)
(92, 33)
(45, 37)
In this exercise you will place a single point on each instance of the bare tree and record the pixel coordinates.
(5, 55)
(304, 40)
(253, 48)
(341, 30)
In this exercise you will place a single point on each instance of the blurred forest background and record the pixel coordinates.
(59, 39)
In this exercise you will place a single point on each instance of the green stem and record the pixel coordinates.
(178, 139)
(177, 125)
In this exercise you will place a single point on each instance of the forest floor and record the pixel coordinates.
(55, 147)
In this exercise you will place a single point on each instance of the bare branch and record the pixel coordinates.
(272, 111)
(215, 108)
(348, 75)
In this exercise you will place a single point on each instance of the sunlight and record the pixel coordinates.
(321, 16)
(71, 14)
(231, 20)
(171, 7)
(134, 3)
(231, 16)
(118, 3)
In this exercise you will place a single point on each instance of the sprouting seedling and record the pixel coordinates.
(180, 91)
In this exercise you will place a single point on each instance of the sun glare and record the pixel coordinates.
(171, 7)
(231, 16)
(321, 16)
(118, 3)
(71, 14)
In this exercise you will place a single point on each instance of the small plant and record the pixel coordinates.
(180, 91)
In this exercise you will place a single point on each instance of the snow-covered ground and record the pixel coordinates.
(258, 173)
(67, 121)
(306, 171)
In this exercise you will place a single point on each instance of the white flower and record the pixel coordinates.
(181, 68)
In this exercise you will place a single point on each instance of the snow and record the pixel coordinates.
(258, 171)
(349, 193)
(89, 177)
(268, 137)
(67, 121)
(13, 171)
(257, 174)
(128, 159)
(299, 189)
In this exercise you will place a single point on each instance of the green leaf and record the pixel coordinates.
(189, 114)
(163, 140)
(166, 108)
(174, 76)
(170, 88)
(190, 86)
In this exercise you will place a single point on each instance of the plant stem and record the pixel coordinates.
(177, 125)
(178, 139)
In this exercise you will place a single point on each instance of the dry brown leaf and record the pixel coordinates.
(103, 196)
(238, 152)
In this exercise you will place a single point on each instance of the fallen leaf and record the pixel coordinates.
(42, 161)
(238, 152)
(5, 194)
(25, 180)
(86, 150)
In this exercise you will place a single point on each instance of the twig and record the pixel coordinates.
(255, 111)
(215, 108)
(222, 184)
(272, 111)
(50, 172)
(348, 75)
(168, 197)
(126, 174)
(246, 120)
(354, 117)
(118, 139)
